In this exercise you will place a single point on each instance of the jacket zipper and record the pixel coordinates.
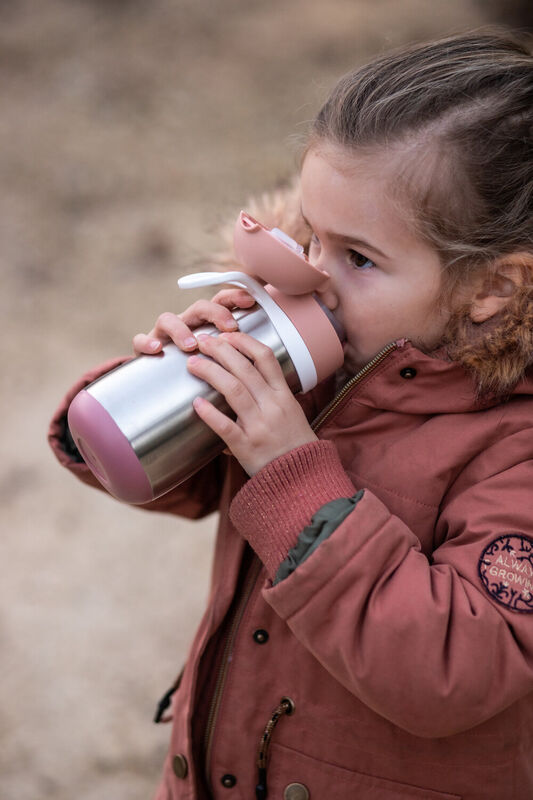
(326, 413)
(255, 569)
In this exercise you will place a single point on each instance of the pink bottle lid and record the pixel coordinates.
(274, 257)
(258, 251)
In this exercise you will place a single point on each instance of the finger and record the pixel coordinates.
(221, 350)
(171, 328)
(218, 313)
(223, 426)
(234, 298)
(177, 327)
(236, 393)
(144, 344)
(261, 356)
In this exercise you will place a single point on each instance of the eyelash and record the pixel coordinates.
(353, 255)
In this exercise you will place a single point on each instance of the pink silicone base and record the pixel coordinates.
(110, 456)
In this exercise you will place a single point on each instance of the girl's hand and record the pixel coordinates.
(270, 421)
(177, 328)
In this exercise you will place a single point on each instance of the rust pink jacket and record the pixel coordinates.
(405, 641)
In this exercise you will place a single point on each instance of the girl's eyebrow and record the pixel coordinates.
(344, 238)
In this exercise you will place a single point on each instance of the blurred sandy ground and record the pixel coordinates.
(128, 131)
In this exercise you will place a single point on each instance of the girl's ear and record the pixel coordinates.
(492, 292)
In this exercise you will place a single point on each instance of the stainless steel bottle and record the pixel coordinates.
(136, 427)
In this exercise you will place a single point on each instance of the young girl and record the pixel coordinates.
(369, 632)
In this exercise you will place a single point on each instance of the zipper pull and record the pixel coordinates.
(286, 706)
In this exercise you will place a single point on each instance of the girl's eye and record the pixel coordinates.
(359, 261)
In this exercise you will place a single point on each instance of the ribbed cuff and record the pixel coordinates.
(277, 503)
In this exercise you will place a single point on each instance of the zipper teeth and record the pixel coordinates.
(333, 405)
(223, 669)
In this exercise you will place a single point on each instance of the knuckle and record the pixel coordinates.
(257, 439)
(223, 294)
(189, 312)
(196, 309)
(264, 353)
(166, 319)
(222, 312)
(205, 306)
(236, 389)
(210, 310)
(226, 427)
(248, 368)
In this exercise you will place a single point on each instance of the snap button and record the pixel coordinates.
(408, 373)
(260, 636)
(296, 791)
(179, 765)
(228, 781)
(290, 703)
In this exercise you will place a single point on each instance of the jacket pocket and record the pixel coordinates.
(322, 779)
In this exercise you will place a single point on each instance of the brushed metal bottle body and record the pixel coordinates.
(150, 400)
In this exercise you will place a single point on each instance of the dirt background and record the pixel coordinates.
(128, 131)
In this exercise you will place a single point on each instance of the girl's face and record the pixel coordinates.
(385, 281)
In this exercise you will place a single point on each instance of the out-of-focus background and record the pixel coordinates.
(129, 131)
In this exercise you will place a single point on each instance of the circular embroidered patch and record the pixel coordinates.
(506, 570)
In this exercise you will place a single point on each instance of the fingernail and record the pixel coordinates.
(230, 325)
(193, 360)
(203, 337)
(155, 344)
(189, 342)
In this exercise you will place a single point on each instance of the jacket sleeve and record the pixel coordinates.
(424, 643)
(195, 498)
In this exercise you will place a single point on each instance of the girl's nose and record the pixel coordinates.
(329, 296)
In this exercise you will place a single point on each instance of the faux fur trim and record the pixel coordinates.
(497, 352)
(277, 209)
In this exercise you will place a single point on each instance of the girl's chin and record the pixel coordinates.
(352, 362)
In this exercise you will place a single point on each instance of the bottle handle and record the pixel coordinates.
(198, 279)
(287, 332)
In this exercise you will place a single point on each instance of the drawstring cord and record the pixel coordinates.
(286, 706)
(166, 700)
